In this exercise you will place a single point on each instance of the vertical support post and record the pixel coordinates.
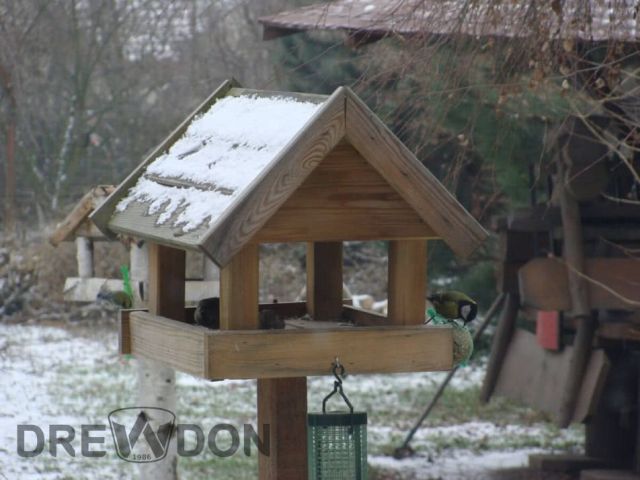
(500, 344)
(578, 289)
(84, 256)
(282, 405)
(407, 286)
(324, 280)
(239, 282)
(156, 382)
(282, 402)
(166, 281)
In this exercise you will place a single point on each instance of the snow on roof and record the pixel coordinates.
(222, 151)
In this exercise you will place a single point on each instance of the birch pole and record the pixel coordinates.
(156, 384)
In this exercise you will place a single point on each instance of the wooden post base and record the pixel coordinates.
(282, 404)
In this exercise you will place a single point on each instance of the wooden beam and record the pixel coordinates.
(282, 407)
(500, 345)
(407, 287)
(544, 283)
(278, 182)
(288, 353)
(393, 160)
(239, 283)
(166, 281)
(324, 280)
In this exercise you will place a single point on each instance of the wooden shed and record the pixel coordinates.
(251, 167)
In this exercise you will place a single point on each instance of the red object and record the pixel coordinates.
(548, 329)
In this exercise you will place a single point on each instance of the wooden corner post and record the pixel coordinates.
(166, 281)
(324, 280)
(282, 403)
(407, 287)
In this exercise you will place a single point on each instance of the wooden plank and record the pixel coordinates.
(64, 230)
(76, 222)
(174, 344)
(407, 286)
(344, 198)
(563, 462)
(363, 318)
(593, 381)
(544, 283)
(278, 182)
(239, 283)
(286, 353)
(124, 330)
(298, 353)
(102, 215)
(282, 405)
(324, 280)
(536, 376)
(166, 281)
(78, 289)
(393, 160)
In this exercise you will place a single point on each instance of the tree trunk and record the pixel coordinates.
(9, 169)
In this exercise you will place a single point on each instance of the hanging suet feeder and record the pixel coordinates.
(337, 440)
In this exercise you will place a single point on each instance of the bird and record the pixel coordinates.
(119, 298)
(454, 305)
(270, 320)
(207, 313)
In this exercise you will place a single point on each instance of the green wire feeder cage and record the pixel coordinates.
(337, 440)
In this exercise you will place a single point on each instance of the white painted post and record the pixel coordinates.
(84, 257)
(139, 260)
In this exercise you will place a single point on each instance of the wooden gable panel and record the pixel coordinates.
(344, 198)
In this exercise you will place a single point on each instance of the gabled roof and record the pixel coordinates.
(77, 223)
(216, 180)
(588, 20)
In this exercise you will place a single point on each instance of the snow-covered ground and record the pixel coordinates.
(73, 376)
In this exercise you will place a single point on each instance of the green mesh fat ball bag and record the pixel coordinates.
(462, 344)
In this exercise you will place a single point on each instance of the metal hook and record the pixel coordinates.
(338, 372)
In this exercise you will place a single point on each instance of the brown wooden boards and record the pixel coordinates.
(77, 222)
(174, 344)
(102, 216)
(544, 283)
(533, 375)
(324, 280)
(275, 185)
(166, 281)
(286, 353)
(344, 198)
(239, 282)
(393, 160)
(282, 406)
(407, 282)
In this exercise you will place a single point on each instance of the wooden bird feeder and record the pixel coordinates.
(250, 167)
(77, 227)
